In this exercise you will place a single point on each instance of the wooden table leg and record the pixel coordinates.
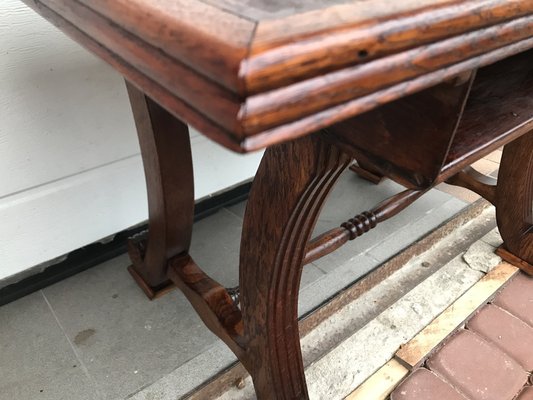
(166, 154)
(366, 172)
(289, 190)
(514, 202)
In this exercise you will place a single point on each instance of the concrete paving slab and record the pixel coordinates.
(126, 341)
(134, 348)
(493, 238)
(188, 376)
(415, 229)
(481, 256)
(36, 359)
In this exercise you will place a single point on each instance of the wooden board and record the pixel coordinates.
(499, 109)
(381, 383)
(418, 348)
(248, 81)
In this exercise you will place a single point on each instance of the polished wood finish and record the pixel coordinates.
(414, 90)
(334, 38)
(169, 180)
(367, 172)
(359, 225)
(501, 93)
(211, 301)
(330, 66)
(514, 197)
(475, 181)
(282, 209)
(408, 139)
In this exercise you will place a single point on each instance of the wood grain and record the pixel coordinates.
(330, 116)
(283, 207)
(360, 224)
(514, 197)
(475, 181)
(206, 38)
(211, 302)
(205, 65)
(407, 140)
(264, 111)
(167, 160)
(502, 93)
(287, 50)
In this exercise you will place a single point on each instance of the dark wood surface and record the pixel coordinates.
(499, 108)
(294, 179)
(170, 187)
(407, 88)
(322, 66)
(514, 198)
(408, 139)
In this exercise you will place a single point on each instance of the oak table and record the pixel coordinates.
(414, 90)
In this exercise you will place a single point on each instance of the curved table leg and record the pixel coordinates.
(289, 190)
(166, 154)
(514, 200)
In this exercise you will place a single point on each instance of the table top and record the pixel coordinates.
(251, 73)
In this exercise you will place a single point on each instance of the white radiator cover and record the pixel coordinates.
(70, 168)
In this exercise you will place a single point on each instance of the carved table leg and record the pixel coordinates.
(288, 192)
(514, 202)
(166, 154)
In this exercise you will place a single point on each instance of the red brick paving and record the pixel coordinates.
(425, 385)
(478, 368)
(517, 298)
(507, 332)
(486, 361)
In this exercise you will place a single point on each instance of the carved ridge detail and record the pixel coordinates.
(360, 224)
(275, 237)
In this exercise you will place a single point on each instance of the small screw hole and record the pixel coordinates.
(362, 54)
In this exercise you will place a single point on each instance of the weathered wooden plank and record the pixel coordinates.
(416, 350)
(381, 383)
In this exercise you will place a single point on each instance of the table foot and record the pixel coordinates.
(151, 292)
(509, 257)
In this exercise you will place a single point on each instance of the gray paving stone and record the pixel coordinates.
(392, 235)
(325, 287)
(215, 246)
(126, 341)
(353, 195)
(481, 256)
(416, 228)
(493, 238)
(188, 376)
(36, 359)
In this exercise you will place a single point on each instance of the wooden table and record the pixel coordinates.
(414, 90)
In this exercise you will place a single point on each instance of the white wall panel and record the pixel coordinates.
(70, 170)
